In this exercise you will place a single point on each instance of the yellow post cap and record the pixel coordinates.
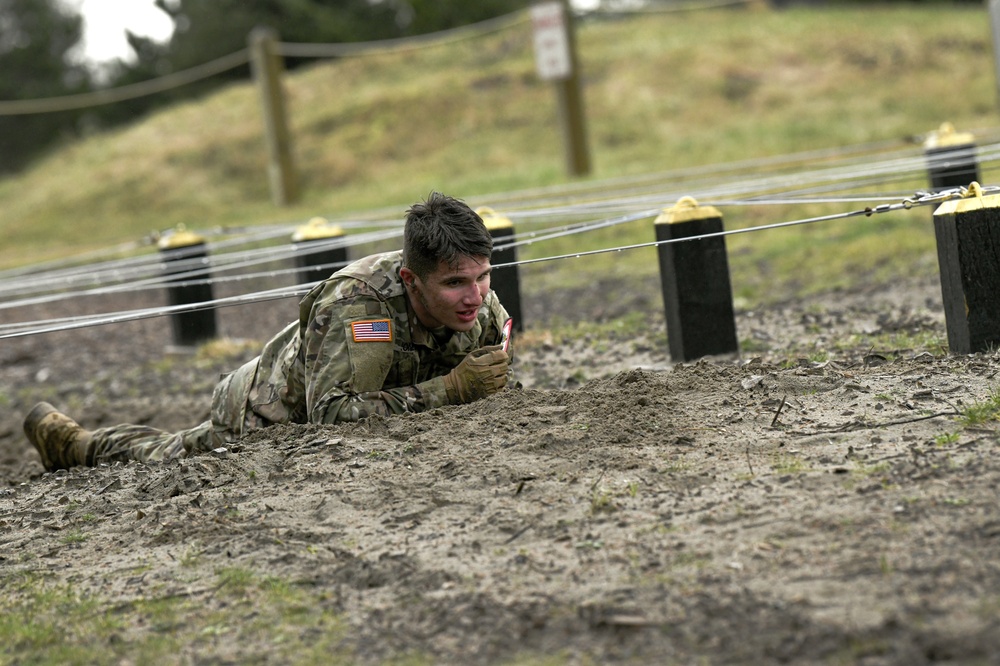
(687, 210)
(946, 136)
(492, 220)
(318, 228)
(179, 237)
(973, 199)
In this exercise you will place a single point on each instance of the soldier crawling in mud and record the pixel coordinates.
(395, 332)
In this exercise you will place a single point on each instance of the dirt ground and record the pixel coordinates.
(816, 501)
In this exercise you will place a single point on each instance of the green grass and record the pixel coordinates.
(661, 92)
(788, 464)
(44, 623)
(982, 412)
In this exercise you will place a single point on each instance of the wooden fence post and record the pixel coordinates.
(180, 251)
(968, 246)
(994, 9)
(266, 65)
(571, 106)
(694, 275)
(557, 61)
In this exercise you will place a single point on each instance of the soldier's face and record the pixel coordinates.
(451, 295)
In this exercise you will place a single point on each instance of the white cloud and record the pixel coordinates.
(105, 23)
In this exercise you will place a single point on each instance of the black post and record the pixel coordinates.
(968, 246)
(506, 281)
(315, 264)
(185, 252)
(694, 274)
(951, 158)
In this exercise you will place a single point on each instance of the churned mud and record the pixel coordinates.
(823, 499)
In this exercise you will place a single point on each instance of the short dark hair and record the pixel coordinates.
(442, 228)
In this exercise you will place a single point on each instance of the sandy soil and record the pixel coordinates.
(816, 501)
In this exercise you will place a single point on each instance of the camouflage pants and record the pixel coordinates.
(145, 444)
(230, 419)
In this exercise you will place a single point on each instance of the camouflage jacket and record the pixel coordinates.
(357, 349)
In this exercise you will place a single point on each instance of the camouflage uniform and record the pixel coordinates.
(357, 349)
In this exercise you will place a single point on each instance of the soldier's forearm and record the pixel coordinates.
(354, 407)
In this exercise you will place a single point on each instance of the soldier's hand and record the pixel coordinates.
(483, 372)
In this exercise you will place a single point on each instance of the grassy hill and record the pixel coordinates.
(662, 91)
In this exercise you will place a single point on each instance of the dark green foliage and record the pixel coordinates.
(35, 38)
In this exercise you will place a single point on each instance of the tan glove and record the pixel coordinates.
(483, 372)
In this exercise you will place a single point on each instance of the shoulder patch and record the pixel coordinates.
(372, 330)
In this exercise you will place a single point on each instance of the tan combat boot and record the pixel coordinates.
(60, 440)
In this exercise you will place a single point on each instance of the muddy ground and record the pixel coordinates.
(818, 500)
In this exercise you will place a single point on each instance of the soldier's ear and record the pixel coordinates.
(408, 276)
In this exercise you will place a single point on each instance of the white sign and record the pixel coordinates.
(552, 55)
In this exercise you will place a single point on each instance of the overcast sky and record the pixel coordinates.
(105, 22)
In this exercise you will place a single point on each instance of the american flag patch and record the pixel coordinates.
(376, 330)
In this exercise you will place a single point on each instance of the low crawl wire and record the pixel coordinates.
(299, 290)
(219, 262)
(200, 267)
(179, 279)
(867, 212)
(36, 280)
